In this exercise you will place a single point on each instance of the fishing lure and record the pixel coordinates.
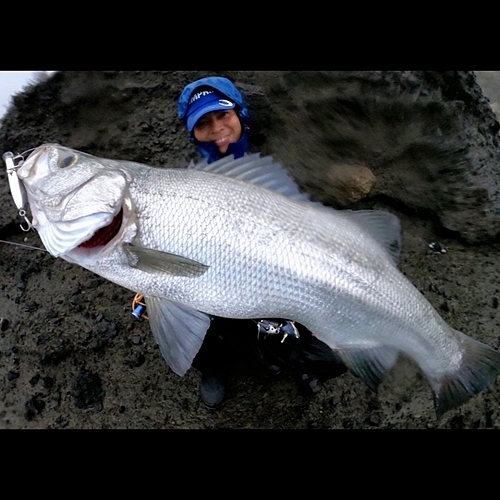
(17, 190)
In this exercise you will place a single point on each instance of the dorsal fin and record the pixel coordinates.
(262, 171)
(382, 226)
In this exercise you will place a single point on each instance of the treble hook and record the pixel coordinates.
(22, 213)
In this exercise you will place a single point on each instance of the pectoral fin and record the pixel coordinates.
(149, 260)
(178, 330)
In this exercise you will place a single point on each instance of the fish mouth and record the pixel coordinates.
(105, 234)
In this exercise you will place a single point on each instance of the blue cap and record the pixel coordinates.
(203, 102)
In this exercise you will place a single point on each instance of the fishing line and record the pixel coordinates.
(23, 245)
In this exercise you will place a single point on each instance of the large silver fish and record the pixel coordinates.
(237, 239)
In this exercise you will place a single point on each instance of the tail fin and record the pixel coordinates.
(480, 366)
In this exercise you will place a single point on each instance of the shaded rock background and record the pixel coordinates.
(424, 145)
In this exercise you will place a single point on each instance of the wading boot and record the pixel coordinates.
(213, 390)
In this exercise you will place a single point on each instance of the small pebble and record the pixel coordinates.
(12, 375)
(436, 247)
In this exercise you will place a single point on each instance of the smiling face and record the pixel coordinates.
(220, 127)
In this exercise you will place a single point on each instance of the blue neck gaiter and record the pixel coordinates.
(211, 152)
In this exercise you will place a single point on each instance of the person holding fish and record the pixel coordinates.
(217, 119)
(218, 246)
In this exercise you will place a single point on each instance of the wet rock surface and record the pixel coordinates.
(421, 144)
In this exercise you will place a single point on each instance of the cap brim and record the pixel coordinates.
(191, 121)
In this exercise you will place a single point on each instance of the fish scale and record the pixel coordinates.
(241, 255)
(237, 239)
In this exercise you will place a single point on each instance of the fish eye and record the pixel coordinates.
(68, 161)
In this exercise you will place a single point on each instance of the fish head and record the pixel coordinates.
(79, 203)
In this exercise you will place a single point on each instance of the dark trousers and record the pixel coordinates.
(227, 342)
(231, 341)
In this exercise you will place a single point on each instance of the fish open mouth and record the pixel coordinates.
(104, 235)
